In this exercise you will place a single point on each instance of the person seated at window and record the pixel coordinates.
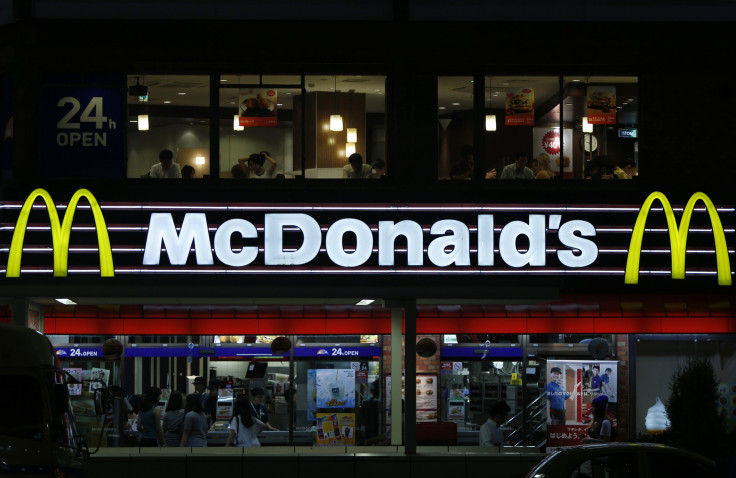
(465, 166)
(518, 169)
(252, 167)
(543, 170)
(356, 169)
(166, 167)
(187, 172)
(627, 170)
(379, 168)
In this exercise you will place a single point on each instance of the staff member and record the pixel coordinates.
(258, 409)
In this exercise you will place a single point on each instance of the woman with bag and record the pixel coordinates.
(244, 427)
(173, 424)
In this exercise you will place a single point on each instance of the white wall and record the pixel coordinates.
(144, 146)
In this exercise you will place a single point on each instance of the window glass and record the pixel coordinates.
(455, 116)
(21, 414)
(608, 147)
(661, 464)
(171, 115)
(619, 465)
(306, 129)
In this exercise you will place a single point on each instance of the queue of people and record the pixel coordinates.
(186, 419)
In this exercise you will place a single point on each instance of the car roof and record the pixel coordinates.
(627, 447)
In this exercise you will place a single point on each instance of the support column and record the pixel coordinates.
(397, 357)
(409, 309)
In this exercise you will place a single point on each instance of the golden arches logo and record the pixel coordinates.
(678, 238)
(60, 233)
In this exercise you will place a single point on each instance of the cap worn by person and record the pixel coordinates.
(257, 391)
(200, 381)
(555, 370)
(600, 401)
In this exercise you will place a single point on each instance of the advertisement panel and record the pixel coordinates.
(258, 107)
(82, 132)
(547, 141)
(335, 388)
(572, 385)
(519, 107)
(602, 104)
(335, 429)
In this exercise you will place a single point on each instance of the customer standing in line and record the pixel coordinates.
(149, 419)
(173, 425)
(244, 427)
(195, 423)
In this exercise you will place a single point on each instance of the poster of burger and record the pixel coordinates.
(520, 107)
(602, 104)
(258, 107)
(547, 141)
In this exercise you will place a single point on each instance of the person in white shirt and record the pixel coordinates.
(244, 427)
(490, 432)
(166, 167)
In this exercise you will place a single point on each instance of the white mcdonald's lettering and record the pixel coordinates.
(452, 247)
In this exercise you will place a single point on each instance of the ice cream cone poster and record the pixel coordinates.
(335, 388)
(335, 429)
(258, 107)
(602, 104)
(520, 107)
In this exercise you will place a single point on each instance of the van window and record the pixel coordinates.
(21, 412)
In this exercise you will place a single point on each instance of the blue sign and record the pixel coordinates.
(337, 352)
(628, 133)
(477, 352)
(82, 131)
(78, 352)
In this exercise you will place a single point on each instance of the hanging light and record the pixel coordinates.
(587, 127)
(335, 120)
(352, 135)
(490, 122)
(335, 123)
(236, 123)
(349, 149)
(199, 160)
(142, 122)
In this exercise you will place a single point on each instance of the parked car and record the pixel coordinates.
(619, 460)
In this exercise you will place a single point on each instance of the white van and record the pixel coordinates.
(38, 435)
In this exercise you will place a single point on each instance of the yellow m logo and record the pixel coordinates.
(60, 234)
(678, 238)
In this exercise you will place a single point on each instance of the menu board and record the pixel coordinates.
(335, 388)
(426, 397)
(335, 429)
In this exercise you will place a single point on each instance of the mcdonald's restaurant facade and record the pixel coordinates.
(473, 291)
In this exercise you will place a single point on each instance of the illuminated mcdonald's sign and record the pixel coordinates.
(60, 233)
(678, 238)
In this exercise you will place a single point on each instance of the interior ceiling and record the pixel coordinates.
(455, 93)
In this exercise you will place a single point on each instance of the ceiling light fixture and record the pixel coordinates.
(66, 301)
(587, 127)
(365, 302)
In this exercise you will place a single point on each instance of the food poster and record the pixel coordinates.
(335, 429)
(519, 107)
(426, 397)
(75, 389)
(571, 387)
(547, 141)
(258, 107)
(602, 104)
(727, 403)
(335, 388)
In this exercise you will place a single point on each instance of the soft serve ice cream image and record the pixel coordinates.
(657, 420)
